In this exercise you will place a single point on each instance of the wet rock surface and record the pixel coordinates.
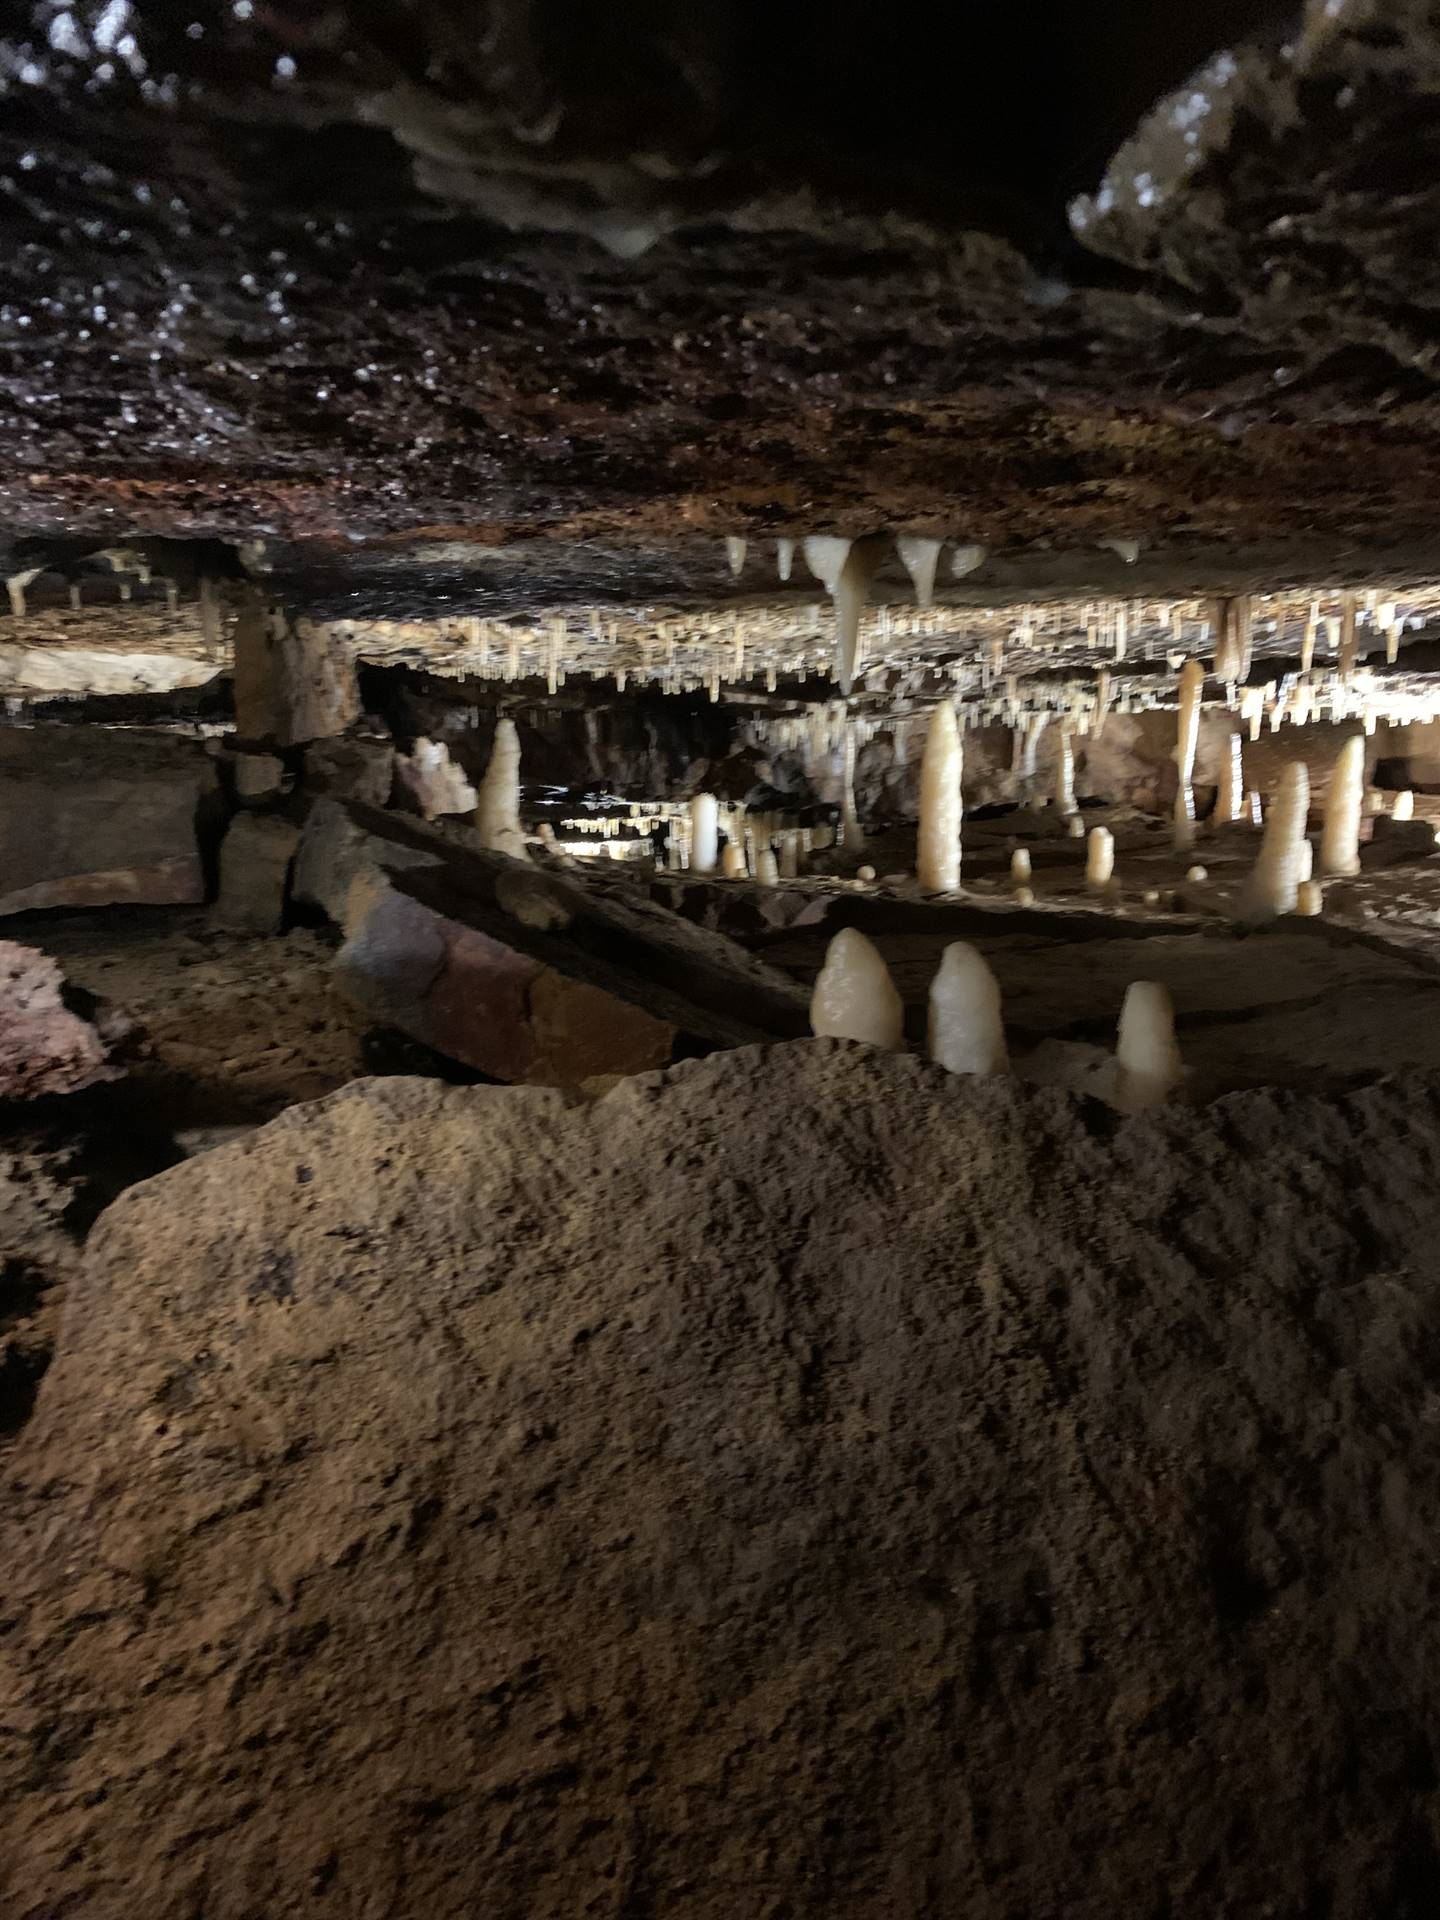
(803, 1480)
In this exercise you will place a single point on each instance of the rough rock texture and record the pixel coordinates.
(40, 1189)
(520, 971)
(455, 1501)
(294, 680)
(45, 1047)
(91, 818)
(348, 272)
(256, 857)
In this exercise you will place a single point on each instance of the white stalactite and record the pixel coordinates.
(784, 557)
(1340, 841)
(735, 554)
(1272, 884)
(704, 833)
(854, 997)
(919, 557)
(941, 809)
(845, 568)
(966, 559)
(15, 586)
(1020, 867)
(497, 816)
(966, 1031)
(1148, 1067)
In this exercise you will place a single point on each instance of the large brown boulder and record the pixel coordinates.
(800, 1483)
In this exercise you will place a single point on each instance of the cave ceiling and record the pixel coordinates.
(528, 304)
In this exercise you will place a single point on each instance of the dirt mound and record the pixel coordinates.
(798, 1484)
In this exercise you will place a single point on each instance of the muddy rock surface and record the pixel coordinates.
(798, 1483)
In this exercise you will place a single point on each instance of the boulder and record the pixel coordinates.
(45, 1045)
(351, 769)
(255, 861)
(91, 817)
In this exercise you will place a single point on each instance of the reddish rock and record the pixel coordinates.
(44, 1046)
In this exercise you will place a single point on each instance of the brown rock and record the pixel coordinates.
(44, 1046)
(255, 862)
(294, 679)
(91, 817)
(351, 769)
(790, 1485)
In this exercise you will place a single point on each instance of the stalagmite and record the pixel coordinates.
(941, 811)
(1099, 859)
(75, 598)
(732, 861)
(1148, 1067)
(966, 1033)
(1230, 791)
(497, 816)
(433, 781)
(790, 854)
(1340, 842)
(704, 832)
(1309, 899)
(919, 557)
(1192, 685)
(1404, 807)
(845, 568)
(1023, 897)
(854, 997)
(15, 585)
(735, 554)
(210, 626)
(784, 557)
(1270, 888)
(1020, 868)
(1102, 700)
(767, 872)
(965, 560)
(1065, 774)
(849, 834)
(1306, 863)
(1196, 874)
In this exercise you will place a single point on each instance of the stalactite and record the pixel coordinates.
(784, 557)
(1230, 791)
(1102, 700)
(1065, 774)
(845, 568)
(918, 556)
(735, 554)
(1348, 642)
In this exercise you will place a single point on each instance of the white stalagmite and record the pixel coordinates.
(1099, 859)
(845, 568)
(784, 557)
(767, 871)
(1404, 807)
(854, 997)
(1148, 1067)
(735, 554)
(1102, 700)
(1065, 773)
(1230, 792)
(497, 816)
(704, 833)
(790, 854)
(1271, 886)
(919, 557)
(1309, 899)
(433, 780)
(732, 861)
(1020, 866)
(941, 810)
(1340, 842)
(1192, 685)
(966, 1033)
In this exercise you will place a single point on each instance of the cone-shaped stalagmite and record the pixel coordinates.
(1192, 684)
(704, 833)
(854, 997)
(1148, 1067)
(498, 814)
(1099, 859)
(938, 848)
(1271, 887)
(1340, 842)
(966, 1031)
